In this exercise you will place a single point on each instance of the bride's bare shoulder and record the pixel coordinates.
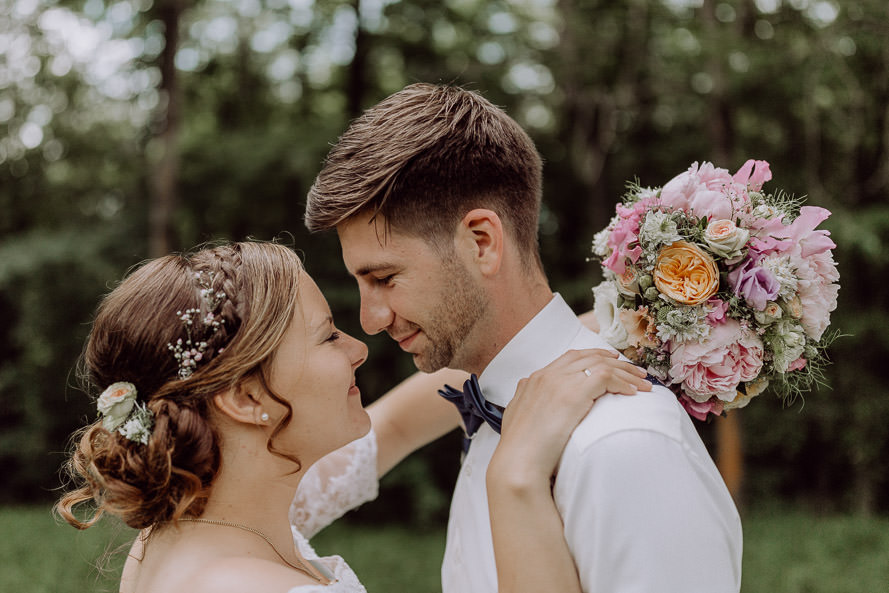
(236, 575)
(130, 575)
(196, 573)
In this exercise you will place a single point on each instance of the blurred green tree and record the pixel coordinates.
(132, 127)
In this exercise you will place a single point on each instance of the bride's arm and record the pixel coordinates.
(531, 552)
(412, 414)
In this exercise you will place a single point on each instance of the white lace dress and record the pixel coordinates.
(337, 483)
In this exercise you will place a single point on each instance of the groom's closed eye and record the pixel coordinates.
(381, 273)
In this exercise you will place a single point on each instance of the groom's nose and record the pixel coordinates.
(376, 315)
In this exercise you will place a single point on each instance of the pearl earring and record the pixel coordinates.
(264, 417)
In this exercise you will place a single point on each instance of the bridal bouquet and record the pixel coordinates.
(718, 287)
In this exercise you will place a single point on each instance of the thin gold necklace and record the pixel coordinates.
(299, 563)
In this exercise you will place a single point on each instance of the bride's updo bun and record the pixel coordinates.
(243, 297)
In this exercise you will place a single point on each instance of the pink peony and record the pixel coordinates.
(700, 410)
(817, 292)
(718, 364)
(713, 177)
(714, 205)
(676, 193)
(701, 189)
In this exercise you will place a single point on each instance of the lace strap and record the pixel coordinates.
(337, 483)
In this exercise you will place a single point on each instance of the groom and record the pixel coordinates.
(435, 195)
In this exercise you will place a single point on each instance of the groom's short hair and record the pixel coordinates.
(425, 156)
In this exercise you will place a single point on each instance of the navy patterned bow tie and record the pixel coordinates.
(473, 406)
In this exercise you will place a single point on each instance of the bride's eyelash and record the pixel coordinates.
(334, 337)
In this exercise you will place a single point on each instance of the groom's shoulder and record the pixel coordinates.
(649, 411)
(586, 338)
(656, 410)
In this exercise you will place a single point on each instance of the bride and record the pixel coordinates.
(226, 387)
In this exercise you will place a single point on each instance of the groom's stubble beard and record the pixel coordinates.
(461, 304)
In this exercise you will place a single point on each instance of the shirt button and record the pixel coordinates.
(467, 469)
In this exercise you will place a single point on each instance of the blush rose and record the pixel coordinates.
(725, 238)
(116, 403)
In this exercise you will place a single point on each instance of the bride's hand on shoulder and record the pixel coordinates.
(549, 405)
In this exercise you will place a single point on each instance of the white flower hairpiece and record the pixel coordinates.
(121, 412)
(192, 350)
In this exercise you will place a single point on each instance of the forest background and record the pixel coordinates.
(132, 128)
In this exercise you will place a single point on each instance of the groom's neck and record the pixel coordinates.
(513, 303)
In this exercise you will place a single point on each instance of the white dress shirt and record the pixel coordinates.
(644, 507)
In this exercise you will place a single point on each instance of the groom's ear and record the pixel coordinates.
(480, 237)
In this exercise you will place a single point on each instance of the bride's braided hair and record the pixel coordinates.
(172, 474)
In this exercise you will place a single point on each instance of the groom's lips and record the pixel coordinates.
(404, 343)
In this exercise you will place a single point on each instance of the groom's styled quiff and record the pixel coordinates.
(424, 157)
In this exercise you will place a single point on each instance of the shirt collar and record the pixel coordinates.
(548, 335)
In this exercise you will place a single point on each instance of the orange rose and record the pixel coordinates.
(686, 274)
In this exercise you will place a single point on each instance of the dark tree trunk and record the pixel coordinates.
(357, 82)
(165, 172)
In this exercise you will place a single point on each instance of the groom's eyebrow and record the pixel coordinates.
(371, 268)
